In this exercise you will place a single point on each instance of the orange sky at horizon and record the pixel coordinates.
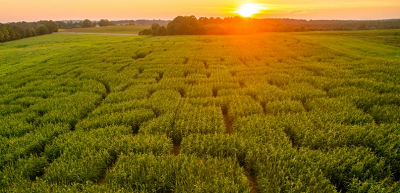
(28, 10)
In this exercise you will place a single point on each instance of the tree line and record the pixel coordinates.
(190, 25)
(104, 22)
(124, 22)
(20, 30)
(152, 21)
(84, 23)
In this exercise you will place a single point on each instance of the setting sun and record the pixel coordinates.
(249, 9)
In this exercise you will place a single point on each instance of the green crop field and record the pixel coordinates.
(273, 112)
(110, 29)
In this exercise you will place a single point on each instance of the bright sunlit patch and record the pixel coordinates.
(249, 9)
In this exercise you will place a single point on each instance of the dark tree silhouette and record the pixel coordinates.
(105, 22)
(87, 23)
(41, 30)
(189, 25)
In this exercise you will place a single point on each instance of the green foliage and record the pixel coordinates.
(33, 143)
(19, 30)
(190, 25)
(107, 108)
(285, 106)
(333, 110)
(16, 125)
(384, 140)
(119, 29)
(131, 118)
(87, 23)
(155, 30)
(217, 145)
(186, 120)
(371, 186)
(149, 173)
(131, 93)
(262, 129)
(285, 170)
(68, 109)
(386, 113)
(343, 164)
(20, 174)
(291, 112)
(164, 101)
(105, 22)
(82, 157)
(241, 106)
(303, 92)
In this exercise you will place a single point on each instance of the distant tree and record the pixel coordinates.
(362, 27)
(28, 32)
(19, 32)
(162, 31)
(154, 28)
(70, 24)
(184, 25)
(87, 23)
(51, 26)
(150, 22)
(33, 30)
(61, 24)
(13, 35)
(146, 32)
(132, 23)
(6, 33)
(41, 30)
(65, 25)
(105, 22)
(2, 37)
(77, 25)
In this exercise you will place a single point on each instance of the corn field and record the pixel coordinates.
(267, 113)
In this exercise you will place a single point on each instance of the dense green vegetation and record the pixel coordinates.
(131, 29)
(84, 23)
(287, 112)
(105, 22)
(190, 25)
(20, 30)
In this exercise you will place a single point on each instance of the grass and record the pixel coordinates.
(109, 29)
(273, 112)
(362, 47)
(388, 37)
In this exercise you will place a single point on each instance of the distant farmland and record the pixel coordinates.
(271, 112)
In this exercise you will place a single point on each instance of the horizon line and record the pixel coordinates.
(365, 19)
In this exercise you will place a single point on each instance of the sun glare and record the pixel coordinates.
(249, 9)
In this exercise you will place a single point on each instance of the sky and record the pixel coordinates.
(33, 10)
